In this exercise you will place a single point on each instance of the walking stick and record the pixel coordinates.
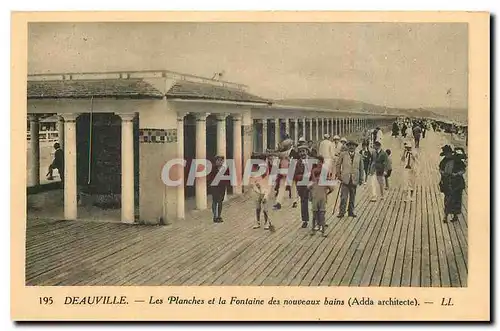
(336, 199)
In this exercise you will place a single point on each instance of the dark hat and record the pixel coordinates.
(352, 142)
(446, 149)
(377, 143)
(302, 146)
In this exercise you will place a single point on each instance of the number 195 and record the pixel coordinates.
(46, 300)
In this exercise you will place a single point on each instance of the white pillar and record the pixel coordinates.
(60, 131)
(247, 141)
(70, 183)
(128, 206)
(304, 128)
(180, 170)
(296, 132)
(201, 154)
(287, 127)
(264, 134)
(277, 127)
(34, 150)
(317, 129)
(221, 134)
(237, 152)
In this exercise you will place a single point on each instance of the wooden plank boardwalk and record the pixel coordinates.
(390, 243)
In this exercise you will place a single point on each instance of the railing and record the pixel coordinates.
(45, 136)
(134, 74)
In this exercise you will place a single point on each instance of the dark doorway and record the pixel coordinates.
(99, 155)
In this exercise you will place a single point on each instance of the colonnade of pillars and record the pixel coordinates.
(200, 152)
(67, 140)
(312, 128)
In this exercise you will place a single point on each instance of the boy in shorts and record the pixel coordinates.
(319, 191)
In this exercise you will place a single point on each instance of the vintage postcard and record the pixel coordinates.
(250, 166)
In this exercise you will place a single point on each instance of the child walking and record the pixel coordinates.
(262, 188)
(388, 168)
(218, 188)
(366, 155)
(319, 192)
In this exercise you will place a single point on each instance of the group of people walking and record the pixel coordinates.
(347, 167)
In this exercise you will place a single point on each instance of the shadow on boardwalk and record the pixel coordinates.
(390, 243)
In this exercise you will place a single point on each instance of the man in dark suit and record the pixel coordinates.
(302, 188)
(218, 188)
(350, 173)
(57, 163)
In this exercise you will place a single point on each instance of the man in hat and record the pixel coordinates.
(336, 147)
(302, 141)
(417, 132)
(343, 142)
(377, 169)
(286, 154)
(218, 187)
(302, 189)
(286, 144)
(313, 152)
(57, 163)
(409, 160)
(350, 173)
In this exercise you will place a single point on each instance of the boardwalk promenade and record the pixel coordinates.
(390, 243)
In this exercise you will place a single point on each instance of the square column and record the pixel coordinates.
(221, 134)
(127, 195)
(296, 132)
(264, 134)
(304, 128)
(287, 127)
(201, 155)
(70, 183)
(277, 129)
(237, 152)
(34, 151)
(180, 170)
(60, 131)
(247, 143)
(317, 129)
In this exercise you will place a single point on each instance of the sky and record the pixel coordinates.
(407, 65)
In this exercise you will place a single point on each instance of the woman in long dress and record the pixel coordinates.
(452, 184)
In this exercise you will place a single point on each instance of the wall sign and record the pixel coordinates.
(157, 136)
